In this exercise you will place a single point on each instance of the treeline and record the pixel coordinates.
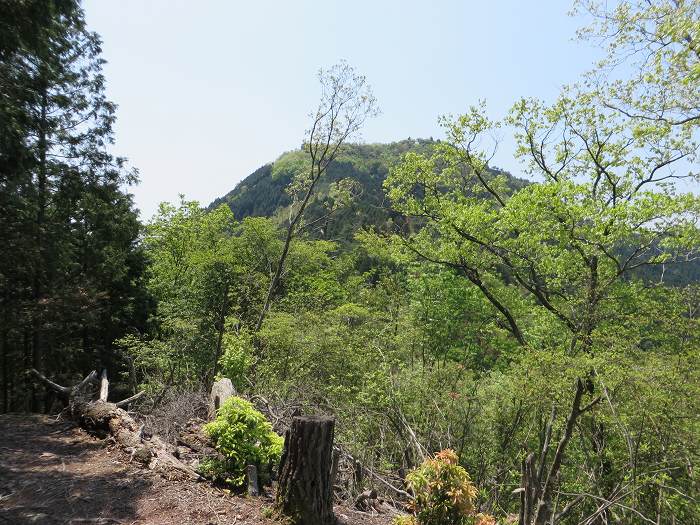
(70, 265)
(412, 358)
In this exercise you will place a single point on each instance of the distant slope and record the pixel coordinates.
(262, 193)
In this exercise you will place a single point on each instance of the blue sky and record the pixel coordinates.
(209, 90)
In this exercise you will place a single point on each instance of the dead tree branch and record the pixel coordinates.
(93, 413)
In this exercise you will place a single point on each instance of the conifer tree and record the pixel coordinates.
(70, 267)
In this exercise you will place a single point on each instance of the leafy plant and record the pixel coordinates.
(444, 491)
(237, 357)
(244, 437)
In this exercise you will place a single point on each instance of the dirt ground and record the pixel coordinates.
(52, 472)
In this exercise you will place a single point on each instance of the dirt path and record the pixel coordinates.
(55, 473)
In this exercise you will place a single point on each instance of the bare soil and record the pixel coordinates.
(52, 472)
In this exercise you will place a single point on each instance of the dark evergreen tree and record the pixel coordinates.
(70, 268)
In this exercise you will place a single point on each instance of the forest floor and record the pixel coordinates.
(52, 472)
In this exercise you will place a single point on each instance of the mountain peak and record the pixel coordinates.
(262, 193)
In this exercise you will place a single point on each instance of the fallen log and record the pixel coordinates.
(92, 412)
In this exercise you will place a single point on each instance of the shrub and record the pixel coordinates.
(484, 519)
(237, 357)
(244, 437)
(444, 493)
(175, 409)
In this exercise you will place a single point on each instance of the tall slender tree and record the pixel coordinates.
(346, 103)
(71, 267)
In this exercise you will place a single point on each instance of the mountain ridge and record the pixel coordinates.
(262, 193)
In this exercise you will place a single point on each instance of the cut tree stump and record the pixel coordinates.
(88, 407)
(304, 491)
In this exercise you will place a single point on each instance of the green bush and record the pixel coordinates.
(237, 357)
(244, 437)
(444, 494)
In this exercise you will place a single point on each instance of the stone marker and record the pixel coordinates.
(220, 392)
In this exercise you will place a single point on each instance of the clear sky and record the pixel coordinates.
(209, 90)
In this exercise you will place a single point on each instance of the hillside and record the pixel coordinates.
(262, 193)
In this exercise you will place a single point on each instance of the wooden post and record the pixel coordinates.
(104, 386)
(334, 467)
(251, 472)
(304, 491)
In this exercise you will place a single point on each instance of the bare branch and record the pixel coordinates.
(346, 102)
(63, 390)
(131, 399)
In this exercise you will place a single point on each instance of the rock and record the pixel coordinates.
(220, 392)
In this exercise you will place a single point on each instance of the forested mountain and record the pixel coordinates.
(263, 193)
(332, 214)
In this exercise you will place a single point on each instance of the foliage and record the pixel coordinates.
(346, 102)
(566, 243)
(244, 437)
(444, 493)
(209, 274)
(404, 520)
(195, 267)
(428, 301)
(367, 165)
(237, 357)
(70, 268)
(443, 490)
(651, 66)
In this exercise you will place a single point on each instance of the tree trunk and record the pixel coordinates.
(304, 493)
(220, 327)
(109, 419)
(5, 373)
(537, 490)
(41, 270)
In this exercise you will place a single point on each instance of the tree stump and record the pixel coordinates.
(304, 492)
